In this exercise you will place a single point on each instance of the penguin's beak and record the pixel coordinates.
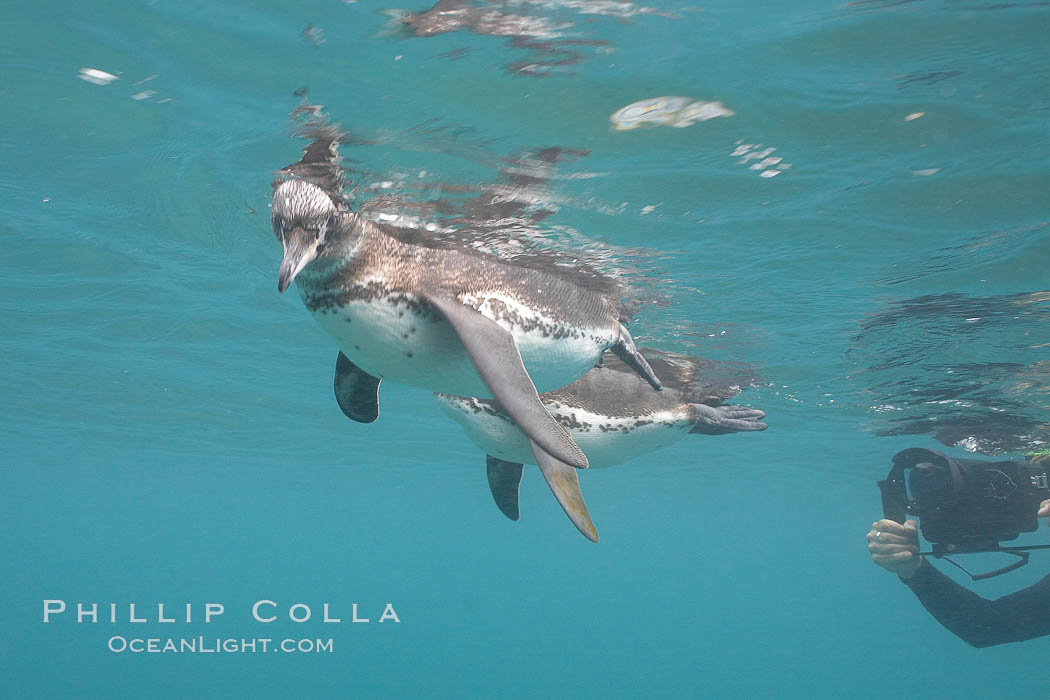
(300, 248)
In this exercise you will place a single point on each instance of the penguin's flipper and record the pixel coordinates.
(720, 420)
(494, 354)
(565, 484)
(627, 352)
(356, 391)
(504, 480)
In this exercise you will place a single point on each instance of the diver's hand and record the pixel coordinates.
(1044, 511)
(894, 546)
(719, 420)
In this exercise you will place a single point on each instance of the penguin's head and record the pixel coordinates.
(301, 216)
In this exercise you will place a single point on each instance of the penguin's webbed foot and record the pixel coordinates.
(720, 420)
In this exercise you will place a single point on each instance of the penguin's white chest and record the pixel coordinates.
(398, 337)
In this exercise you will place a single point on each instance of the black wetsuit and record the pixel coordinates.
(978, 622)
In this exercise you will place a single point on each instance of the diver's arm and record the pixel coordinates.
(977, 621)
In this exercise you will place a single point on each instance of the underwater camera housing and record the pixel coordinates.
(966, 505)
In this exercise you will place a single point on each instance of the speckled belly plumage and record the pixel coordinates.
(396, 336)
(607, 440)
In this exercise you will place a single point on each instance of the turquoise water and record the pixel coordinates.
(169, 431)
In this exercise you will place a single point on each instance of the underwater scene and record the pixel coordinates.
(525, 349)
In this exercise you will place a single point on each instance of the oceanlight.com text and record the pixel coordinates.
(218, 645)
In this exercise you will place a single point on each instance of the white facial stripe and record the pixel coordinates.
(321, 232)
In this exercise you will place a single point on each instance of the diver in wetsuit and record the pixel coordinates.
(979, 622)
